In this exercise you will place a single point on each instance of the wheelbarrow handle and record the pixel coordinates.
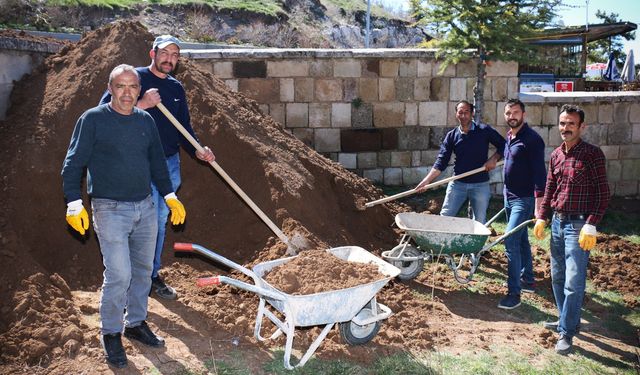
(217, 280)
(191, 247)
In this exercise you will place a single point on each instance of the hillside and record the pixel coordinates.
(268, 23)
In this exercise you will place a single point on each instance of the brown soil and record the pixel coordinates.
(50, 277)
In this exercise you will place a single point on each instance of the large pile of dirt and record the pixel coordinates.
(299, 189)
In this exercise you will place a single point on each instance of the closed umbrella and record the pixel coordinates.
(628, 70)
(611, 73)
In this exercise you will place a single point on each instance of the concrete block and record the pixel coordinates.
(421, 89)
(631, 170)
(502, 69)
(303, 89)
(389, 68)
(534, 115)
(428, 157)
(499, 89)
(232, 84)
(349, 161)
(611, 152)
(596, 134)
(635, 133)
(368, 89)
(387, 115)
(203, 65)
(298, 68)
(277, 112)
(371, 68)
(250, 69)
(384, 159)
(489, 113)
(439, 89)
(260, 90)
(432, 114)
(468, 68)
(451, 113)
(436, 136)
(626, 188)
(411, 114)
(554, 137)
(634, 113)
(629, 152)
(350, 88)
(328, 90)
(387, 90)
(614, 170)
(376, 176)
(346, 68)
(340, 115)
(297, 115)
(321, 68)
(358, 140)
(549, 115)
(389, 138)
(440, 71)
(408, 68)
(400, 158)
(393, 176)
(404, 89)
(306, 135)
(413, 138)
(425, 68)
(320, 115)
(327, 140)
(590, 113)
(618, 134)
(605, 113)
(513, 87)
(416, 160)
(264, 108)
(457, 89)
(362, 115)
(367, 160)
(542, 131)
(412, 176)
(287, 90)
(621, 112)
(223, 69)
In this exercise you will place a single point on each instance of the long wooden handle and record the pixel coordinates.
(224, 175)
(430, 186)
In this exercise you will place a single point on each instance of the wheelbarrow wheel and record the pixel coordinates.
(354, 334)
(409, 269)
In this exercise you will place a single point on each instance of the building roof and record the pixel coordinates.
(576, 34)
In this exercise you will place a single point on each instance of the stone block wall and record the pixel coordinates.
(380, 113)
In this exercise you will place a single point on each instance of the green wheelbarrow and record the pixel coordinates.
(457, 240)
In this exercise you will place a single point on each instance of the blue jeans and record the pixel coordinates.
(173, 164)
(568, 272)
(126, 232)
(458, 192)
(517, 245)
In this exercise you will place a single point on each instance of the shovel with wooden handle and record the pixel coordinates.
(297, 238)
(430, 186)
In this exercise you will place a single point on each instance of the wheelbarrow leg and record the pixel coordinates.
(262, 311)
(312, 349)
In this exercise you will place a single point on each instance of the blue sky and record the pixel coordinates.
(575, 13)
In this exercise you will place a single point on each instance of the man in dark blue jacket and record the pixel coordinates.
(524, 179)
(470, 143)
(157, 85)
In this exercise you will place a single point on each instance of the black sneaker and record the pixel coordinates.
(524, 286)
(113, 350)
(143, 334)
(554, 326)
(511, 301)
(162, 290)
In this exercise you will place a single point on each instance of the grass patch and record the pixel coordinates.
(313, 367)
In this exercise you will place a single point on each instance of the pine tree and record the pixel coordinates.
(483, 29)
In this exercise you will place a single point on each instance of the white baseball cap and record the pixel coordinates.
(164, 40)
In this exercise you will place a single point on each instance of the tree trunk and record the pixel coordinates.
(478, 90)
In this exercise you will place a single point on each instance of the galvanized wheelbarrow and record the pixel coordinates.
(428, 236)
(354, 309)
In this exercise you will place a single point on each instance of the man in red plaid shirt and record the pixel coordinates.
(578, 193)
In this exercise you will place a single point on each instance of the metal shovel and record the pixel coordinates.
(296, 243)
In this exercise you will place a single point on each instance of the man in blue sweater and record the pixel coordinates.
(120, 147)
(524, 179)
(470, 143)
(157, 85)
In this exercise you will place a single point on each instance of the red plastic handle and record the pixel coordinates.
(183, 246)
(205, 281)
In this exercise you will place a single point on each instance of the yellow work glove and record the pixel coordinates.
(587, 239)
(538, 229)
(77, 216)
(178, 212)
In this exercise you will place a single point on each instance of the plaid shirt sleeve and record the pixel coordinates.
(600, 195)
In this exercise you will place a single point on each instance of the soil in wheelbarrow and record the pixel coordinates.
(317, 271)
(50, 278)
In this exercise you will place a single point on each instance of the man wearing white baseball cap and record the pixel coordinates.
(157, 85)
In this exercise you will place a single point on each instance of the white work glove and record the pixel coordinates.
(587, 239)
